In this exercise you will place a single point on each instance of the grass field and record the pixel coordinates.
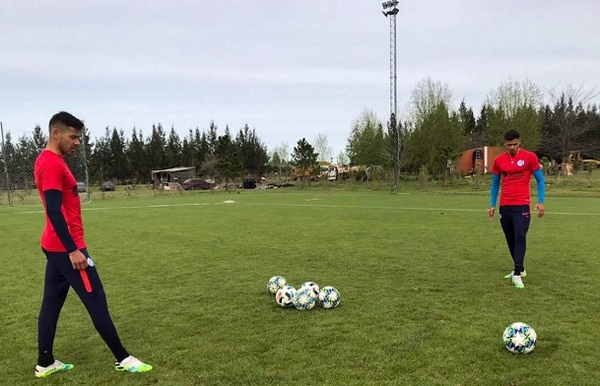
(424, 301)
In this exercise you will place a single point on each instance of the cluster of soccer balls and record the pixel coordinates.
(519, 338)
(305, 297)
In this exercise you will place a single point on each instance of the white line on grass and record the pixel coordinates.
(128, 207)
(313, 206)
(413, 208)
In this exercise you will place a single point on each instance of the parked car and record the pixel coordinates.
(107, 186)
(196, 184)
(81, 187)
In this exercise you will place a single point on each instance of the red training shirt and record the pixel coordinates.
(515, 176)
(52, 173)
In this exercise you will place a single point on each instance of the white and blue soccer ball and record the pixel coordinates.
(285, 296)
(312, 286)
(329, 297)
(275, 283)
(519, 338)
(305, 299)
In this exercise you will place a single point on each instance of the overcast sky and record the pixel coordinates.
(288, 68)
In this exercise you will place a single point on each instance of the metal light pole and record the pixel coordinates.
(390, 9)
(8, 187)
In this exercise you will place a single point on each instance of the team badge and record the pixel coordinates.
(521, 163)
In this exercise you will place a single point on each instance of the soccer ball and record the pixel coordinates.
(329, 297)
(275, 283)
(305, 299)
(312, 286)
(285, 296)
(519, 338)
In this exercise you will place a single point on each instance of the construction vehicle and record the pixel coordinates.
(344, 172)
(309, 174)
(331, 172)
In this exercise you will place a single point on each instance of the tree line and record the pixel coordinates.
(434, 135)
(430, 137)
(131, 160)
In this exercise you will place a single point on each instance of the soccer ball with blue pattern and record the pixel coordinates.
(519, 338)
(312, 286)
(285, 296)
(329, 297)
(305, 299)
(275, 283)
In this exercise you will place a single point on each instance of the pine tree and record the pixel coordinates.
(304, 157)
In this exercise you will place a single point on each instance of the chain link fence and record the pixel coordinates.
(17, 185)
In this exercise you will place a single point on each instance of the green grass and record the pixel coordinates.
(424, 301)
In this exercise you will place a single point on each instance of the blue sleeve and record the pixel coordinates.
(54, 212)
(494, 190)
(541, 183)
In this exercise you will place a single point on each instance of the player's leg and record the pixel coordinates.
(97, 307)
(94, 302)
(508, 227)
(56, 289)
(522, 219)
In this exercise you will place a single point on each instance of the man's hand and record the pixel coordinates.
(491, 212)
(540, 209)
(78, 260)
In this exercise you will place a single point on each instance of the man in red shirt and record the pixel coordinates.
(68, 263)
(513, 170)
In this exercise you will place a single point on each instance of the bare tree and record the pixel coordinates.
(322, 148)
(516, 105)
(569, 123)
(342, 158)
(512, 95)
(283, 156)
(426, 97)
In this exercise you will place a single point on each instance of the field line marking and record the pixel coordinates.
(129, 207)
(312, 206)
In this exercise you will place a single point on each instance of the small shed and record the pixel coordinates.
(480, 160)
(166, 178)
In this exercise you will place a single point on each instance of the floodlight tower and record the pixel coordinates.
(390, 9)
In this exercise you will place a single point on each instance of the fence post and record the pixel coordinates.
(5, 166)
(85, 166)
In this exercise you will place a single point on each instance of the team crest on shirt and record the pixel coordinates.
(521, 163)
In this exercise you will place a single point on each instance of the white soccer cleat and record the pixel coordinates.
(132, 365)
(512, 273)
(56, 367)
(517, 282)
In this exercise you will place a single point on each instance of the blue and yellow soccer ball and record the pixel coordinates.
(329, 297)
(312, 286)
(519, 338)
(275, 283)
(285, 296)
(305, 299)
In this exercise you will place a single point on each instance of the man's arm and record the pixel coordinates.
(54, 212)
(57, 219)
(541, 186)
(494, 195)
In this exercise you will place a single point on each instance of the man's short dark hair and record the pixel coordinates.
(62, 120)
(511, 134)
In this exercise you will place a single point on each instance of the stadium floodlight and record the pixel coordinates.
(389, 8)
